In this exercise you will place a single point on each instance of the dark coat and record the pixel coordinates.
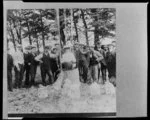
(32, 59)
(54, 64)
(9, 62)
(26, 58)
(93, 60)
(29, 58)
(84, 58)
(111, 64)
(46, 62)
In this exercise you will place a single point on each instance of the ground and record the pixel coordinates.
(93, 98)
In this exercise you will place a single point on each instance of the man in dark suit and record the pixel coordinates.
(33, 64)
(111, 64)
(103, 65)
(9, 71)
(27, 65)
(83, 63)
(45, 65)
(55, 62)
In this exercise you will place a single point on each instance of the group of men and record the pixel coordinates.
(96, 61)
(26, 63)
(92, 62)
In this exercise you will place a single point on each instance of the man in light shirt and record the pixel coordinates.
(18, 66)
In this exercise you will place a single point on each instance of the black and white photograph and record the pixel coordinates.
(61, 60)
(74, 60)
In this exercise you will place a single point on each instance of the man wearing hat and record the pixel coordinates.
(27, 64)
(102, 64)
(95, 58)
(9, 71)
(84, 61)
(19, 66)
(33, 64)
(45, 65)
(111, 63)
(54, 59)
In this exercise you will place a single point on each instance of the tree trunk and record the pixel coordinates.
(12, 34)
(13, 38)
(96, 34)
(8, 42)
(37, 44)
(17, 32)
(30, 40)
(62, 36)
(75, 26)
(20, 33)
(85, 25)
(20, 28)
(43, 36)
(43, 40)
(62, 26)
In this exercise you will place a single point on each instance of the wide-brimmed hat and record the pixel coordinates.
(67, 46)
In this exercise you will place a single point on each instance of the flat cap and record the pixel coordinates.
(29, 47)
(47, 47)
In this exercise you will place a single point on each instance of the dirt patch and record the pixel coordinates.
(72, 98)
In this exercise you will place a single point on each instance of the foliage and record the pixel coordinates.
(38, 25)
